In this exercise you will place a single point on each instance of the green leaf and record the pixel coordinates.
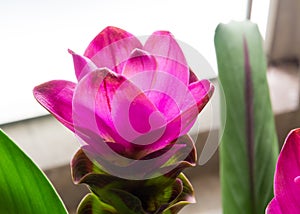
(23, 187)
(249, 147)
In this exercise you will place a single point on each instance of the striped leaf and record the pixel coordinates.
(249, 145)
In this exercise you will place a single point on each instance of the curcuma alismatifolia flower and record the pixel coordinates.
(131, 110)
(132, 100)
(287, 178)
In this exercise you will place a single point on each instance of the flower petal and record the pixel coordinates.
(273, 207)
(159, 86)
(82, 65)
(202, 91)
(195, 99)
(139, 61)
(190, 108)
(111, 47)
(191, 101)
(115, 108)
(168, 54)
(193, 77)
(286, 185)
(56, 96)
(89, 119)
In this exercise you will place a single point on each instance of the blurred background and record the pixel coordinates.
(35, 36)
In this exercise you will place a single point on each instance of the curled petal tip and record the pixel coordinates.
(138, 52)
(82, 65)
(70, 51)
(163, 33)
(56, 96)
(138, 62)
(111, 47)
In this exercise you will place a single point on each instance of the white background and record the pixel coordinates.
(35, 36)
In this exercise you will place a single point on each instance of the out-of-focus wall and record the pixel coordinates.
(283, 31)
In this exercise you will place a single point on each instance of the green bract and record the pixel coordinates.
(110, 194)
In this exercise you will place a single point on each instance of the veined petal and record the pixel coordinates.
(194, 101)
(56, 96)
(115, 108)
(82, 65)
(202, 91)
(111, 47)
(133, 114)
(166, 101)
(139, 61)
(92, 121)
(286, 182)
(169, 55)
(159, 86)
(173, 67)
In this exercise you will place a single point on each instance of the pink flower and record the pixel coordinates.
(287, 178)
(137, 99)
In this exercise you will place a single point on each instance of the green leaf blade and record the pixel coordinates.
(24, 188)
(249, 146)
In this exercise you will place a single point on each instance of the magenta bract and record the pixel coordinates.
(132, 98)
(287, 178)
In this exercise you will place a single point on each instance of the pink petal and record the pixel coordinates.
(166, 102)
(193, 77)
(286, 183)
(139, 61)
(111, 47)
(133, 114)
(160, 89)
(165, 90)
(201, 92)
(195, 99)
(82, 65)
(56, 96)
(85, 109)
(273, 207)
(114, 108)
(158, 86)
(168, 54)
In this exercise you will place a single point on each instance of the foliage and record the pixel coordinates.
(23, 186)
(249, 144)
